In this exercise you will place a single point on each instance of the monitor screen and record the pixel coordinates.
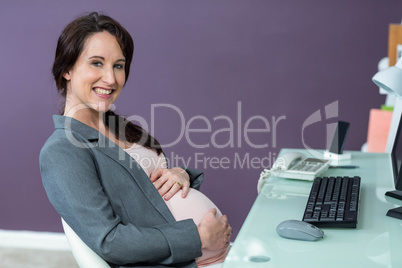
(396, 156)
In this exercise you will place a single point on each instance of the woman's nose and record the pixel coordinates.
(109, 76)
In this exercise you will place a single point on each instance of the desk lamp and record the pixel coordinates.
(390, 79)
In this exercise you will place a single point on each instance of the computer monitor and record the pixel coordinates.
(396, 161)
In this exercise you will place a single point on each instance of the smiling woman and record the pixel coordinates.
(114, 205)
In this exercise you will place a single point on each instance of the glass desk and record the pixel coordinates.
(376, 242)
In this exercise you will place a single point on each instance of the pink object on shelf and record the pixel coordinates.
(379, 124)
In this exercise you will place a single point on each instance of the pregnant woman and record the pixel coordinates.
(130, 214)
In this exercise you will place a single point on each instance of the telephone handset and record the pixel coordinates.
(295, 165)
(287, 161)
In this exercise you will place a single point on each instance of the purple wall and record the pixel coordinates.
(274, 59)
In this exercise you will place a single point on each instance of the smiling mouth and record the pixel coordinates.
(103, 91)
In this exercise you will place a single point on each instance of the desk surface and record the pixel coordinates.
(376, 242)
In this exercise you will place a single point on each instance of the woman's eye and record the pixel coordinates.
(119, 66)
(97, 63)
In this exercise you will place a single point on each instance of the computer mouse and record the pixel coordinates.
(299, 230)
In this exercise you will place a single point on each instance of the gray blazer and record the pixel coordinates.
(109, 201)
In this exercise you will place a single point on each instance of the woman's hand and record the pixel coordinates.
(215, 233)
(169, 181)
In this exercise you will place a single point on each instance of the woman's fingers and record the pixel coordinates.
(185, 189)
(156, 174)
(215, 233)
(168, 193)
(169, 181)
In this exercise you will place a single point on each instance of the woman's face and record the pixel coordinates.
(97, 77)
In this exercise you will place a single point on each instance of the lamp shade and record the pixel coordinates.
(390, 79)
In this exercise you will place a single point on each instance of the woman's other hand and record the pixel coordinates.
(215, 233)
(169, 181)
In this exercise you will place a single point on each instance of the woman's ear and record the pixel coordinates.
(67, 76)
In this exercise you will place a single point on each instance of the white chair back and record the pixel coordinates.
(85, 257)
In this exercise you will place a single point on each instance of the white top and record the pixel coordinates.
(148, 159)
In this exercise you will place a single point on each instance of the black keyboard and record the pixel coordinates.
(333, 202)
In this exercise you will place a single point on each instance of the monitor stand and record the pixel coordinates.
(395, 212)
(394, 194)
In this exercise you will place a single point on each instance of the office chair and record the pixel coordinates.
(86, 257)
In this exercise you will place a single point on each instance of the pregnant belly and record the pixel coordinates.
(194, 206)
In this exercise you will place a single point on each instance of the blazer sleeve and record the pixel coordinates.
(196, 177)
(74, 189)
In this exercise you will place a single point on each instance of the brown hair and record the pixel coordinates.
(70, 46)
